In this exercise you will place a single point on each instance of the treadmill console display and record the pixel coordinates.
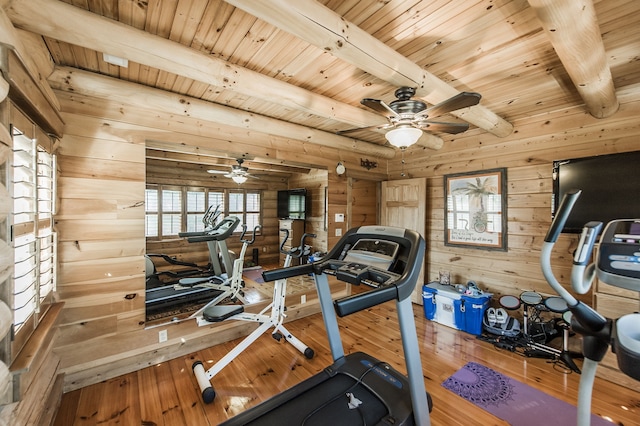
(378, 253)
(368, 262)
(357, 273)
(619, 255)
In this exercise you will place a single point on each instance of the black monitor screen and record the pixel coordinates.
(610, 187)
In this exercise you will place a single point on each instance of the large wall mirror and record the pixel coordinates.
(195, 213)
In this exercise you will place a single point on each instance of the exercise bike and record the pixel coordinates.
(274, 320)
(617, 263)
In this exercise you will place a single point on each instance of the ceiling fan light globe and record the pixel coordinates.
(403, 137)
(239, 179)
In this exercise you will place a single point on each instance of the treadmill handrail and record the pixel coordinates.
(220, 232)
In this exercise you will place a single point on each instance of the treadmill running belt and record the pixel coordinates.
(328, 404)
(322, 399)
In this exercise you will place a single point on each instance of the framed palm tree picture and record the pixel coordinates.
(476, 209)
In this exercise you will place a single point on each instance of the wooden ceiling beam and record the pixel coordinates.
(80, 27)
(318, 25)
(220, 163)
(572, 26)
(121, 92)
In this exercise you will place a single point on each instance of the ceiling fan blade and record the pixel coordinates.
(379, 106)
(217, 172)
(461, 100)
(380, 127)
(438, 126)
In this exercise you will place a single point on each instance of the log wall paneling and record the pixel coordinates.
(316, 183)
(101, 233)
(363, 202)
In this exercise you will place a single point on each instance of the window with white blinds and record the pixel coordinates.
(34, 242)
(170, 209)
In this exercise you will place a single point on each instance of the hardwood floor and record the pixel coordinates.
(167, 394)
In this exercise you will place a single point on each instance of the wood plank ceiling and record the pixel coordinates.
(300, 72)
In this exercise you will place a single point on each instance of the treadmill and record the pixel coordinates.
(168, 297)
(357, 389)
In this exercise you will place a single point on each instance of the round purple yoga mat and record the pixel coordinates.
(511, 400)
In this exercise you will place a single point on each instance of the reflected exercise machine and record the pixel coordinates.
(210, 222)
(357, 388)
(274, 320)
(617, 263)
(189, 291)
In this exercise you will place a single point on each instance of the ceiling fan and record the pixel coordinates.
(238, 172)
(409, 117)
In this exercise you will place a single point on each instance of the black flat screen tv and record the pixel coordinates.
(293, 204)
(610, 187)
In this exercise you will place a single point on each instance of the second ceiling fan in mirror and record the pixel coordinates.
(238, 173)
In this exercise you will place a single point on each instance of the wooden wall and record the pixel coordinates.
(363, 206)
(100, 224)
(316, 183)
(527, 154)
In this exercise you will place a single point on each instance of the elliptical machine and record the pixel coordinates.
(618, 264)
(274, 320)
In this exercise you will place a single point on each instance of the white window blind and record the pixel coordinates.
(151, 212)
(171, 212)
(195, 210)
(173, 209)
(33, 192)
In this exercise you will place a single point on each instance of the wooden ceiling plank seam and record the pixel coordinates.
(160, 18)
(184, 23)
(215, 16)
(131, 13)
(234, 31)
(355, 11)
(429, 22)
(256, 40)
(469, 41)
(392, 11)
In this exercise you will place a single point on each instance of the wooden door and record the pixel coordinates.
(404, 204)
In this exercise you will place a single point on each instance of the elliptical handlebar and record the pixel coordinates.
(295, 252)
(211, 216)
(253, 235)
(586, 316)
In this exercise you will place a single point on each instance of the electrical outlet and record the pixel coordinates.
(163, 335)
(303, 299)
